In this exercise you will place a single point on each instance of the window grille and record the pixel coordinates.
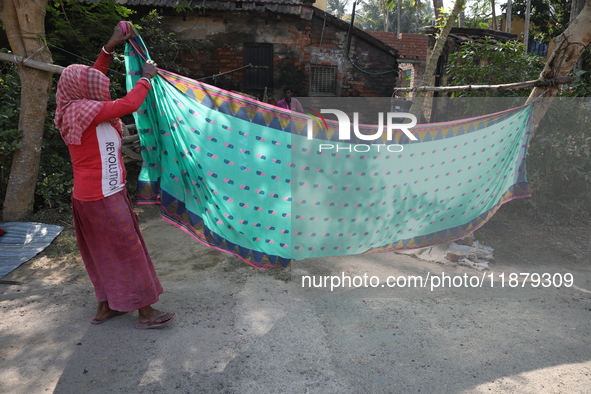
(260, 74)
(323, 80)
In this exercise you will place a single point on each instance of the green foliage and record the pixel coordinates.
(372, 15)
(478, 14)
(559, 163)
(9, 112)
(548, 18)
(486, 62)
(76, 30)
(82, 28)
(55, 178)
(559, 159)
(582, 85)
(163, 45)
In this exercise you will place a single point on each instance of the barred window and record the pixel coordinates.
(260, 74)
(323, 80)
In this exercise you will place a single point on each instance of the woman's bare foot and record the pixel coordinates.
(152, 318)
(104, 313)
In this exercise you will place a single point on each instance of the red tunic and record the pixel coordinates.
(97, 162)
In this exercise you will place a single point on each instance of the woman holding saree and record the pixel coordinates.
(107, 230)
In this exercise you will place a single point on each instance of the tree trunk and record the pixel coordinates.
(576, 7)
(437, 7)
(418, 4)
(386, 16)
(428, 78)
(494, 15)
(568, 47)
(398, 18)
(509, 16)
(24, 22)
(526, 27)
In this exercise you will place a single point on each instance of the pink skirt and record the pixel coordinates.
(114, 252)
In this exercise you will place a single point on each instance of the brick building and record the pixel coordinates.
(412, 49)
(261, 46)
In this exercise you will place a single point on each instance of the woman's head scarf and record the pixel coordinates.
(82, 91)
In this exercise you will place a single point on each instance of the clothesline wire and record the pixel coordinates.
(83, 58)
(120, 73)
(226, 72)
(34, 53)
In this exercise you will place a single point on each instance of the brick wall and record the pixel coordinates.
(215, 44)
(410, 46)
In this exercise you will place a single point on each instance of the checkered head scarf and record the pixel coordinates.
(81, 94)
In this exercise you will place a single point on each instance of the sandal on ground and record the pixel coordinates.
(158, 321)
(97, 321)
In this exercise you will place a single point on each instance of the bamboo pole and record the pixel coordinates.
(507, 86)
(52, 68)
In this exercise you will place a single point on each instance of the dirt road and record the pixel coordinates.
(242, 330)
